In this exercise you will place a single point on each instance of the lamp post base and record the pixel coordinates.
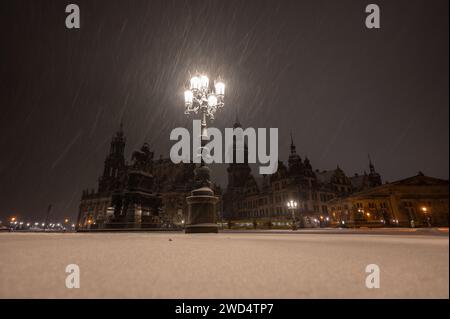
(201, 211)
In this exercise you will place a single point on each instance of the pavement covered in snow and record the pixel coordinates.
(224, 265)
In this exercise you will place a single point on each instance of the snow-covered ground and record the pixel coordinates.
(225, 265)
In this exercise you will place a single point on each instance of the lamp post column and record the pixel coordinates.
(202, 202)
(292, 206)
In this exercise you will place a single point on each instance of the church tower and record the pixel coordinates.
(114, 163)
(238, 173)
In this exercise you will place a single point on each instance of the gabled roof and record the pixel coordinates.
(417, 180)
(420, 179)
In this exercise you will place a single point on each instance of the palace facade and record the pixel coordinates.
(251, 201)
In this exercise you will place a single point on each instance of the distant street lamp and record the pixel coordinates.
(202, 98)
(427, 216)
(47, 216)
(292, 206)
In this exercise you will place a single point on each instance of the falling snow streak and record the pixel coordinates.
(306, 66)
(67, 149)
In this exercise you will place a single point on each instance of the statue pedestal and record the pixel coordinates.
(202, 211)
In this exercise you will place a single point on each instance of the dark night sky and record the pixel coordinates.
(310, 66)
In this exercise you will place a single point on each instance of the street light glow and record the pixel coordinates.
(204, 82)
(220, 88)
(200, 98)
(292, 204)
(212, 100)
(195, 83)
(188, 97)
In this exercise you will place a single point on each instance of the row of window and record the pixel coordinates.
(261, 213)
(281, 198)
(279, 210)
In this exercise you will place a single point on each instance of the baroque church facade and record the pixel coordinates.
(146, 193)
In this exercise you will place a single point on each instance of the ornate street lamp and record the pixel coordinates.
(203, 99)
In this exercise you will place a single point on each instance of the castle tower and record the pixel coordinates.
(238, 176)
(238, 173)
(295, 161)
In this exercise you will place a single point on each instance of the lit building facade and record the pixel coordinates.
(417, 201)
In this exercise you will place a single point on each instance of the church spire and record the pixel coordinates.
(114, 162)
(119, 133)
(371, 166)
(374, 177)
(293, 151)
